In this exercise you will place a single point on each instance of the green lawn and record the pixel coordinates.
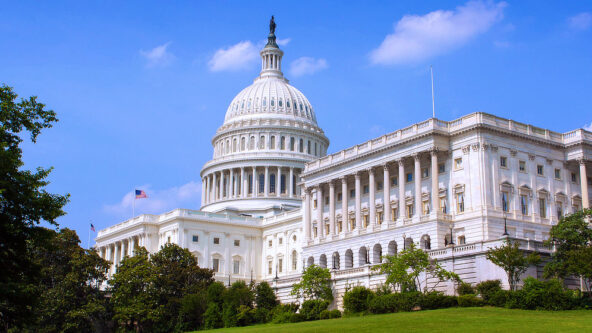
(445, 320)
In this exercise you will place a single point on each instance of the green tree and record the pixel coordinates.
(315, 284)
(265, 297)
(131, 298)
(404, 271)
(70, 298)
(572, 239)
(239, 294)
(512, 260)
(24, 205)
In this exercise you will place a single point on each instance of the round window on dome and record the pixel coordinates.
(249, 104)
(272, 102)
(264, 101)
(280, 103)
(288, 103)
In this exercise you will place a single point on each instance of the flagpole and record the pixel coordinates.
(433, 105)
(133, 203)
(88, 243)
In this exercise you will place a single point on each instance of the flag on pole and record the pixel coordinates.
(92, 227)
(141, 194)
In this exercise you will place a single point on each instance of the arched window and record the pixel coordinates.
(272, 144)
(392, 248)
(426, 242)
(323, 261)
(227, 146)
(408, 242)
(242, 147)
(292, 143)
(262, 142)
(336, 263)
(310, 261)
(283, 184)
(280, 103)
(283, 143)
(308, 149)
(377, 254)
(252, 143)
(301, 146)
(272, 101)
(294, 260)
(261, 183)
(264, 101)
(288, 103)
(234, 145)
(349, 259)
(249, 104)
(363, 256)
(272, 183)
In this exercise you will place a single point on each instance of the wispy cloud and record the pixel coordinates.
(158, 56)
(283, 42)
(588, 127)
(416, 38)
(581, 21)
(235, 57)
(307, 65)
(158, 201)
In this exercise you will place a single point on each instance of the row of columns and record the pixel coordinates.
(435, 199)
(115, 252)
(215, 188)
(584, 184)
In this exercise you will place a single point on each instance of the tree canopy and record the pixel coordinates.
(315, 283)
(512, 260)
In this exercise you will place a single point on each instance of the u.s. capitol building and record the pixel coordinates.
(273, 201)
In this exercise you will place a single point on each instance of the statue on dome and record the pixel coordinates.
(272, 26)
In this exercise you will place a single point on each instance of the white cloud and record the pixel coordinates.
(283, 42)
(158, 201)
(588, 127)
(307, 65)
(158, 56)
(581, 21)
(236, 57)
(416, 38)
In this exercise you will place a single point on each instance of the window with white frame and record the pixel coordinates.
(236, 266)
(559, 207)
(441, 168)
(216, 265)
(505, 202)
(460, 202)
(409, 210)
(458, 163)
(543, 208)
(522, 166)
(540, 170)
(557, 174)
(195, 238)
(503, 161)
(524, 204)
(280, 265)
(425, 173)
(237, 242)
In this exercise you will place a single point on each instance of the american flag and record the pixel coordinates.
(92, 227)
(140, 194)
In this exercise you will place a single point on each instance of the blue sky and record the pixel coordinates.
(141, 87)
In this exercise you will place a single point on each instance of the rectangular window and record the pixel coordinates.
(366, 189)
(559, 206)
(522, 166)
(270, 243)
(269, 267)
(524, 204)
(461, 240)
(326, 228)
(195, 238)
(394, 214)
(216, 265)
(237, 242)
(216, 240)
(339, 196)
(558, 174)
(314, 203)
(409, 177)
(339, 226)
(236, 267)
(365, 221)
(352, 223)
(281, 240)
(460, 202)
(379, 185)
(458, 163)
(425, 173)
(574, 177)
(409, 211)
(352, 193)
(503, 162)
(443, 206)
(505, 203)
(394, 181)
(379, 217)
(543, 208)
(326, 200)
(589, 180)
(540, 170)
(426, 208)
(280, 264)
(441, 168)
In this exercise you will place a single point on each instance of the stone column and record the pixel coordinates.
(372, 197)
(291, 195)
(115, 257)
(215, 187)
(255, 183)
(278, 182)
(386, 191)
(237, 182)
(344, 209)
(108, 257)
(266, 183)
(203, 191)
(358, 189)
(417, 178)
(222, 186)
(307, 214)
(231, 184)
(320, 201)
(245, 181)
(332, 208)
(401, 189)
(133, 246)
(435, 187)
(584, 184)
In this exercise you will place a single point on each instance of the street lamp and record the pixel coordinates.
(505, 234)
(451, 238)
(404, 243)
(367, 254)
(275, 279)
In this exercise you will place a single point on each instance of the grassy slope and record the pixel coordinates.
(446, 320)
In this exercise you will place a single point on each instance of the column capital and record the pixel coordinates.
(416, 156)
(434, 151)
(385, 167)
(343, 179)
(358, 175)
(400, 162)
(332, 184)
(581, 161)
(370, 170)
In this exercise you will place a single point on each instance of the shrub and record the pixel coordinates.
(437, 300)
(383, 289)
(264, 296)
(216, 293)
(469, 301)
(311, 309)
(213, 317)
(394, 302)
(357, 299)
(487, 288)
(245, 316)
(288, 317)
(262, 315)
(325, 314)
(499, 298)
(546, 295)
(283, 313)
(465, 289)
(334, 314)
(229, 315)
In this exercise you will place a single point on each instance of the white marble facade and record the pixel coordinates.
(273, 202)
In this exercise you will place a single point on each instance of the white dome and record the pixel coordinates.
(270, 95)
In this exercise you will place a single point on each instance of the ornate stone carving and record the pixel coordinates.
(475, 146)
(531, 157)
(466, 149)
(513, 152)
